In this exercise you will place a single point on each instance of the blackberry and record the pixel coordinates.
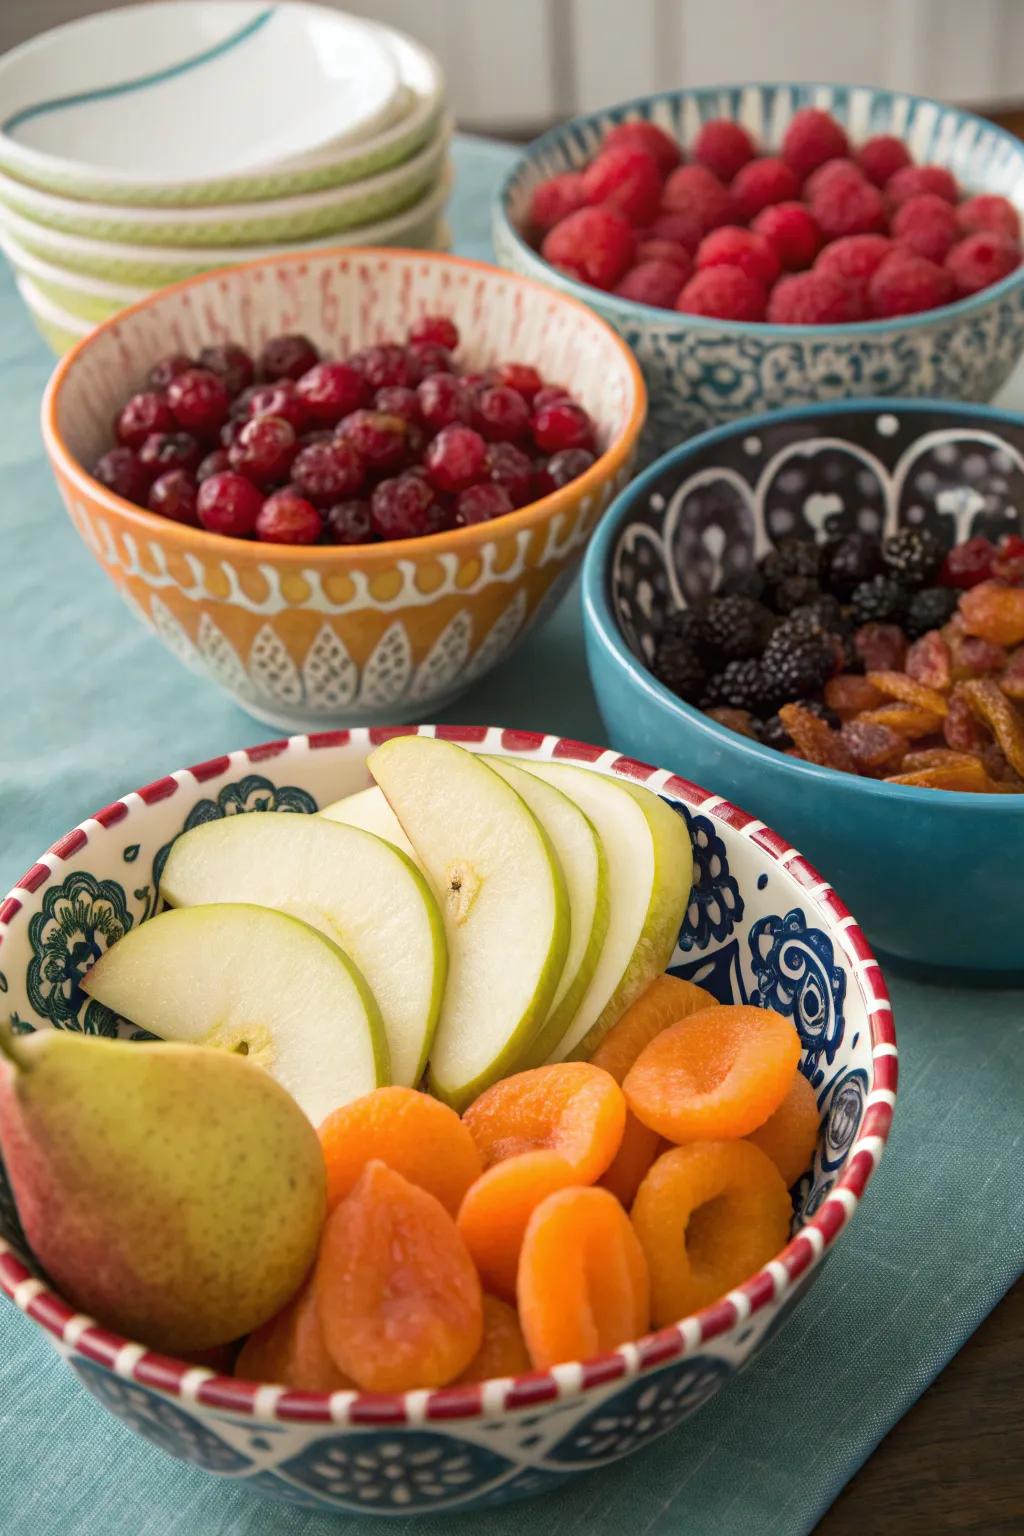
(797, 663)
(824, 613)
(774, 734)
(881, 600)
(790, 557)
(735, 627)
(740, 684)
(796, 592)
(686, 625)
(678, 666)
(929, 609)
(850, 559)
(745, 583)
(913, 556)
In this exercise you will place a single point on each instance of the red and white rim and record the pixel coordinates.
(199, 1385)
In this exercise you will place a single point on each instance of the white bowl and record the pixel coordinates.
(59, 329)
(86, 298)
(184, 88)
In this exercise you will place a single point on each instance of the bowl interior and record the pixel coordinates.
(716, 507)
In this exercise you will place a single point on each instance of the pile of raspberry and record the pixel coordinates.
(819, 234)
(881, 644)
(391, 442)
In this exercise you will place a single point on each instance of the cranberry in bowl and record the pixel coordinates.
(342, 485)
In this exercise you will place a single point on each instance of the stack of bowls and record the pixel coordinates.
(152, 143)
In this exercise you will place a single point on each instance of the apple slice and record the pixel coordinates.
(650, 871)
(357, 889)
(503, 899)
(248, 979)
(368, 809)
(585, 868)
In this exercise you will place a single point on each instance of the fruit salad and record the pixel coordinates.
(890, 658)
(822, 233)
(425, 1107)
(390, 442)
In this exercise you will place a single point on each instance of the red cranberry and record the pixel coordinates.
(242, 403)
(288, 518)
(215, 463)
(476, 382)
(263, 450)
(428, 357)
(287, 357)
(328, 472)
(330, 391)
(481, 503)
(381, 440)
(231, 363)
(509, 467)
(120, 471)
(568, 465)
(548, 394)
(348, 523)
(229, 504)
(170, 450)
(383, 365)
(501, 414)
(400, 508)
(168, 368)
(562, 424)
(141, 415)
(526, 381)
(174, 495)
(456, 459)
(231, 431)
(281, 399)
(398, 400)
(968, 564)
(435, 328)
(199, 400)
(443, 398)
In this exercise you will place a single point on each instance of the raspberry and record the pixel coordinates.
(168, 368)
(456, 459)
(173, 495)
(812, 137)
(383, 365)
(694, 191)
(848, 208)
(120, 471)
(988, 214)
(880, 600)
(330, 391)
(280, 399)
(169, 450)
(929, 609)
(741, 685)
(325, 473)
(348, 523)
(980, 260)
(813, 298)
(654, 141)
(199, 400)
(509, 467)
(664, 251)
(881, 157)
(287, 357)
(724, 147)
(553, 200)
(142, 414)
(724, 293)
(734, 628)
(401, 508)
(905, 284)
(481, 503)
(926, 225)
(231, 363)
(501, 415)
(653, 282)
(760, 184)
(439, 329)
(443, 398)
(793, 231)
(625, 179)
(850, 559)
(839, 172)
(398, 400)
(743, 248)
(595, 245)
(854, 261)
(263, 450)
(521, 377)
(968, 564)
(562, 424)
(229, 504)
(912, 180)
(679, 226)
(678, 666)
(381, 441)
(288, 518)
(913, 556)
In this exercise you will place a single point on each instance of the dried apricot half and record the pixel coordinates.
(497, 1207)
(790, 1134)
(290, 1349)
(503, 1350)
(414, 1133)
(572, 1108)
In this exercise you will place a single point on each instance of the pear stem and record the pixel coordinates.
(10, 1049)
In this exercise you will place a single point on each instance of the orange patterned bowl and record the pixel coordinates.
(314, 636)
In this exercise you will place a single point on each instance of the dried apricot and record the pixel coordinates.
(849, 693)
(718, 1073)
(397, 1294)
(637, 1150)
(989, 704)
(789, 1136)
(494, 1214)
(930, 661)
(897, 685)
(583, 1286)
(814, 739)
(995, 612)
(707, 1216)
(290, 1349)
(503, 1350)
(414, 1133)
(572, 1107)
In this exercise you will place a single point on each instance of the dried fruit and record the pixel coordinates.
(814, 740)
(995, 612)
(990, 705)
(897, 685)
(872, 747)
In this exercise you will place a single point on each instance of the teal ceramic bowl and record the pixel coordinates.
(935, 877)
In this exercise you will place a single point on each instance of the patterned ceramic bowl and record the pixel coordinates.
(85, 298)
(60, 329)
(701, 371)
(307, 636)
(936, 876)
(762, 926)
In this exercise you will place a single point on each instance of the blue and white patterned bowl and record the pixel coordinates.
(936, 877)
(762, 927)
(703, 371)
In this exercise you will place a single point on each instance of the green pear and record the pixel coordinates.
(369, 810)
(173, 1193)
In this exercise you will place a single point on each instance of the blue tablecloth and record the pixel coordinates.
(92, 705)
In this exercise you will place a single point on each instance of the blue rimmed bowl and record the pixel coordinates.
(936, 877)
(762, 927)
(702, 371)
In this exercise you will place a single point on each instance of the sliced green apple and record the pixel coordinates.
(650, 870)
(248, 979)
(368, 809)
(585, 868)
(360, 891)
(503, 898)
